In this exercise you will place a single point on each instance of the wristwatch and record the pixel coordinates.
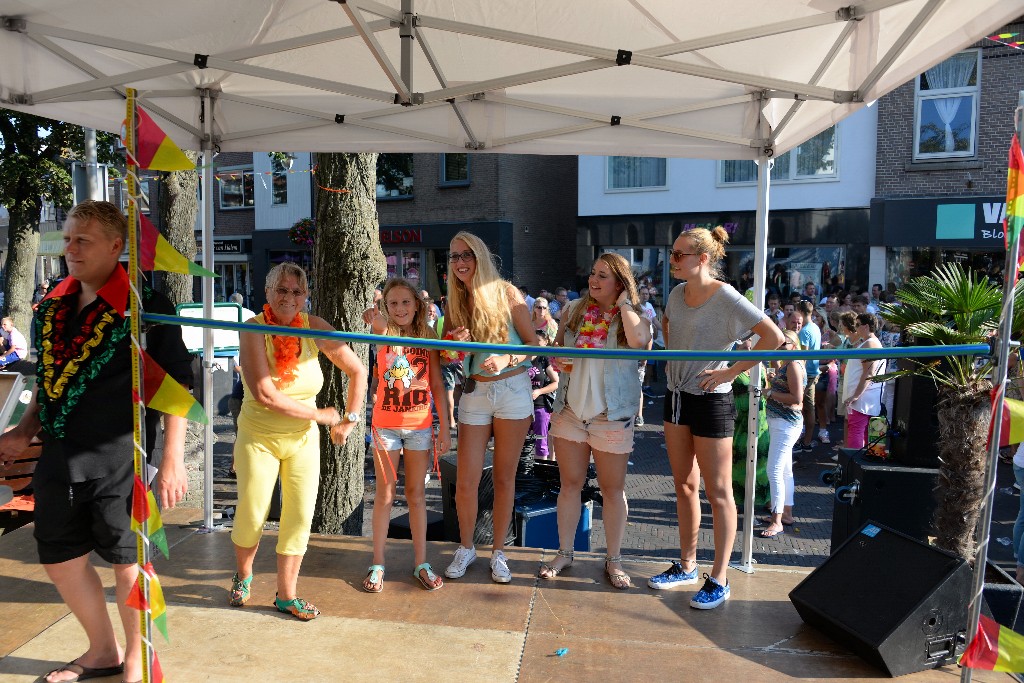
(351, 417)
(629, 303)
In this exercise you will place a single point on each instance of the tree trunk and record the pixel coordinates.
(23, 246)
(347, 265)
(179, 206)
(964, 418)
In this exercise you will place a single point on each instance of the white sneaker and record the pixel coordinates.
(460, 563)
(823, 436)
(499, 568)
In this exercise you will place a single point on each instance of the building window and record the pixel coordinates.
(236, 188)
(394, 176)
(636, 173)
(812, 160)
(946, 108)
(278, 182)
(454, 170)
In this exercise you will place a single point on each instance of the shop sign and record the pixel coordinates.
(401, 236)
(227, 246)
(945, 222)
(729, 227)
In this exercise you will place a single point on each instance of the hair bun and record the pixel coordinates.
(720, 234)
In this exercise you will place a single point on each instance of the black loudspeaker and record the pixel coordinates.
(914, 428)
(898, 603)
(483, 534)
(902, 498)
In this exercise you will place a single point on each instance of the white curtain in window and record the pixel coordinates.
(627, 172)
(955, 72)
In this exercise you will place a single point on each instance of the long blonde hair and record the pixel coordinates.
(623, 274)
(488, 316)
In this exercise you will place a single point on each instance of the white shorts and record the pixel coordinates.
(504, 399)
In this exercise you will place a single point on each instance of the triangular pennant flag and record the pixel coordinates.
(994, 648)
(156, 151)
(1014, 221)
(163, 393)
(156, 253)
(156, 674)
(140, 504)
(156, 600)
(157, 534)
(136, 598)
(1011, 423)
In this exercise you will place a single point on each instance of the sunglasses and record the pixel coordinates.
(678, 255)
(297, 293)
(465, 256)
(541, 308)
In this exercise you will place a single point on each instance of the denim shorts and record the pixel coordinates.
(504, 399)
(600, 433)
(406, 439)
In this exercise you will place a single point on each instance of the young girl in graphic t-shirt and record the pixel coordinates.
(407, 379)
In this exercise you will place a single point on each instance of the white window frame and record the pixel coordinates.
(971, 90)
(645, 188)
(242, 171)
(792, 178)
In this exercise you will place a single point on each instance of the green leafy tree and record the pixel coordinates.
(35, 156)
(955, 306)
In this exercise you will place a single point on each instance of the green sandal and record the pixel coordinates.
(239, 591)
(302, 610)
(432, 582)
(374, 577)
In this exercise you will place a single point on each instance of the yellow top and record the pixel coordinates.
(309, 379)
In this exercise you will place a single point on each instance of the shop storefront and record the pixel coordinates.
(824, 246)
(919, 234)
(417, 252)
(232, 261)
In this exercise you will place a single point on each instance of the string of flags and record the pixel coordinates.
(1006, 39)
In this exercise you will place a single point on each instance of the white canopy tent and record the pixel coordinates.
(733, 79)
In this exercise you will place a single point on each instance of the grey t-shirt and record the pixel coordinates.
(715, 326)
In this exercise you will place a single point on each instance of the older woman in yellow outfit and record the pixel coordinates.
(278, 433)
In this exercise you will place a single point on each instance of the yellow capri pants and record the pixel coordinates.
(259, 459)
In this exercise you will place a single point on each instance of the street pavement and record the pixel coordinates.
(652, 528)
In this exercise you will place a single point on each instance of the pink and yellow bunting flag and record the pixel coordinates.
(994, 648)
(155, 150)
(157, 605)
(156, 253)
(163, 393)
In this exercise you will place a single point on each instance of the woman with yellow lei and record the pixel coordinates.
(278, 433)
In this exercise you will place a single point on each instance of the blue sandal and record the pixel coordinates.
(432, 581)
(374, 577)
(303, 610)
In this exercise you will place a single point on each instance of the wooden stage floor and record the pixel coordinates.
(470, 630)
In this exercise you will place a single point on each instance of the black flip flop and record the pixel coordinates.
(87, 672)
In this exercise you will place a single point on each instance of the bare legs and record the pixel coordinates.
(415, 464)
(690, 458)
(80, 587)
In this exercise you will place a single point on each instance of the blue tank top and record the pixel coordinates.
(476, 359)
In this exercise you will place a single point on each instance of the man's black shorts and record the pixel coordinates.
(72, 520)
(712, 416)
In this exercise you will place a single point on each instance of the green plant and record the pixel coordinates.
(954, 306)
(303, 232)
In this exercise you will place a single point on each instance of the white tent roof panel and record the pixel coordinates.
(537, 77)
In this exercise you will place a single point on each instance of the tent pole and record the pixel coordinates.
(407, 34)
(754, 397)
(1000, 381)
(207, 285)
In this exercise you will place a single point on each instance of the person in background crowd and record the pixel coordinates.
(83, 412)
(560, 301)
(40, 293)
(402, 424)
(783, 403)
(810, 293)
(496, 399)
(787, 314)
(810, 340)
(774, 313)
(862, 397)
(278, 433)
(595, 408)
(543, 383)
(425, 295)
(876, 296)
(704, 313)
(828, 378)
(861, 304)
(15, 347)
(543, 323)
(526, 296)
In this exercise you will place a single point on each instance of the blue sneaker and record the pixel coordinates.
(672, 577)
(711, 595)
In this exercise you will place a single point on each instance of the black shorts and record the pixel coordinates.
(712, 416)
(72, 520)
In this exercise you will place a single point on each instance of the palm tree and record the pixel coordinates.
(955, 306)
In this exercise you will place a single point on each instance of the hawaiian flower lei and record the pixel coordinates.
(593, 332)
(449, 356)
(286, 349)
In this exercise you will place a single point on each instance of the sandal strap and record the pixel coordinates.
(430, 571)
(613, 558)
(303, 609)
(565, 553)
